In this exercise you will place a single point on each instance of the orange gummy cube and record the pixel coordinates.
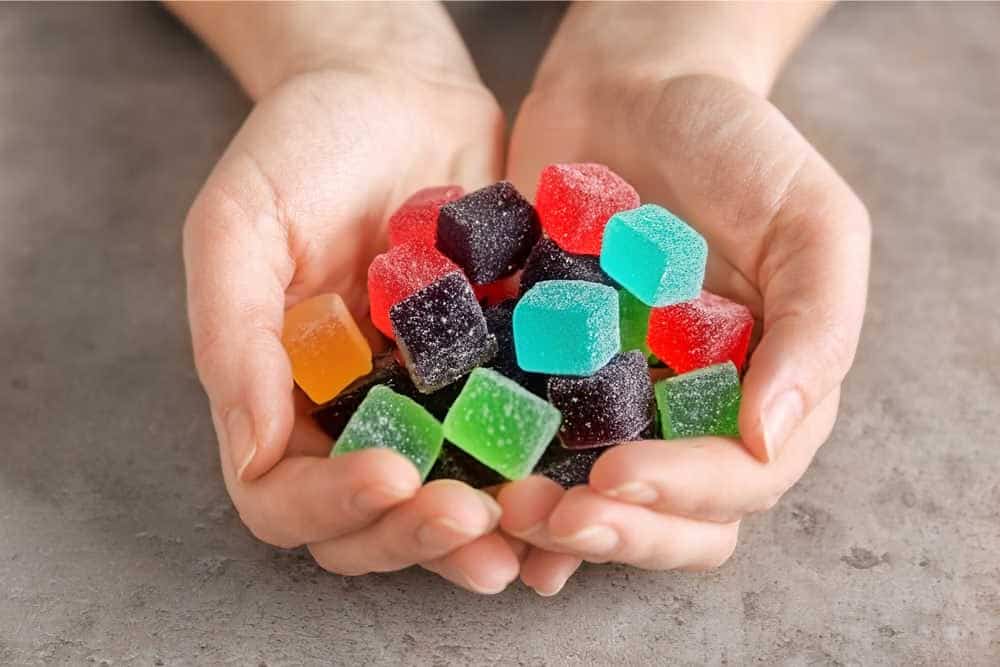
(326, 348)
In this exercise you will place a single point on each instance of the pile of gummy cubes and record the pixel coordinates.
(525, 334)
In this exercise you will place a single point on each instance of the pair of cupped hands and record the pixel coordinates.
(297, 206)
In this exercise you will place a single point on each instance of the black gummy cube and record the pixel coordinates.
(548, 261)
(499, 321)
(613, 405)
(441, 332)
(489, 232)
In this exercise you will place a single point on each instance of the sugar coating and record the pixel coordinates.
(701, 402)
(453, 463)
(499, 322)
(326, 348)
(575, 201)
(566, 327)
(489, 232)
(568, 467)
(701, 332)
(633, 321)
(548, 261)
(398, 273)
(654, 255)
(391, 420)
(501, 424)
(441, 332)
(613, 405)
(416, 219)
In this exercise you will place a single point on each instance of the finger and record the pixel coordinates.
(309, 499)
(527, 504)
(709, 479)
(600, 530)
(443, 516)
(238, 267)
(814, 277)
(487, 565)
(546, 572)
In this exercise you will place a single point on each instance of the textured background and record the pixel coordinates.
(118, 544)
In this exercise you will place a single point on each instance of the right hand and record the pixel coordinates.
(296, 207)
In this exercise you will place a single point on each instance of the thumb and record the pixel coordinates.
(813, 277)
(237, 267)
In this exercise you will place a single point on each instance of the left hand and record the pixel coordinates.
(787, 237)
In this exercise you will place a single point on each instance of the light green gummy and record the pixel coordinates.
(633, 323)
(703, 402)
(499, 423)
(390, 420)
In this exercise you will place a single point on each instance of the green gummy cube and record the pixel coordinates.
(499, 423)
(633, 323)
(703, 402)
(391, 420)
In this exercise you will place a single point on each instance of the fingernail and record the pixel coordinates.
(547, 593)
(241, 440)
(374, 498)
(492, 507)
(596, 540)
(440, 532)
(781, 416)
(528, 532)
(639, 493)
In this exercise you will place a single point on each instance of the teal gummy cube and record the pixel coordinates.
(391, 420)
(703, 402)
(654, 255)
(633, 321)
(566, 327)
(500, 424)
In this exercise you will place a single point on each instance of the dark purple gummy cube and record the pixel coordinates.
(613, 405)
(489, 232)
(499, 322)
(453, 463)
(548, 261)
(441, 332)
(568, 467)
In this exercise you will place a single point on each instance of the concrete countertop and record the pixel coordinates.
(118, 544)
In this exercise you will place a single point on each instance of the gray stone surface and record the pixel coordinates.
(118, 544)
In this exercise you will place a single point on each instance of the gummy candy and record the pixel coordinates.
(701, 332)
(566, 327)
(489, 232)
(568, 467)
(441, 332)
(416, 219)
(326, 349)
(701, 402)
(613, 405)
(654, 255)
(548, 261)
(575, 201)
(453, 463)
(398, 273)
(497, 292)
(633, 321)
(501, 424)
(391, 420)
(499, 322)
(333, 416)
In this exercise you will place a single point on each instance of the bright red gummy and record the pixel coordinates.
(497, 292)
(416, 219)
(701, 332)
(574, 202)
(398, 273)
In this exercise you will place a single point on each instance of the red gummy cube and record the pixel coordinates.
(416, 219)
(701, 332)
(398, 273)
(574, 202)
(497, 292)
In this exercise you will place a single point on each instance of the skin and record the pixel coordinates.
(351, 118)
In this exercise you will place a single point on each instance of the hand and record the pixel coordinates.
(786, 236)
(296, 207)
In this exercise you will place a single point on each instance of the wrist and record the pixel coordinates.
(599, 44)
(265, 44)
